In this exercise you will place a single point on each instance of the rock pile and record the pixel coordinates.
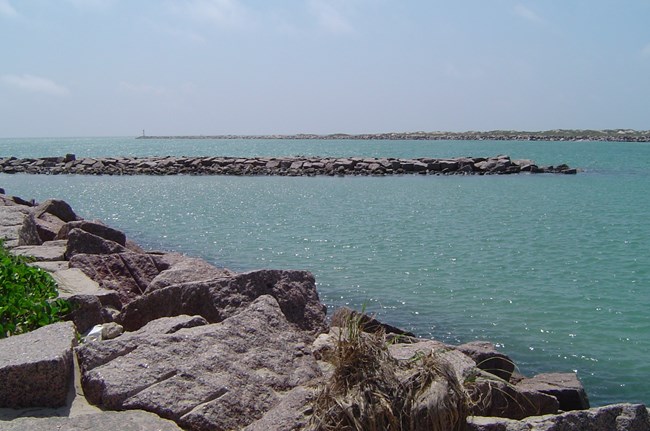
(612, 135)
(285, 166)
(189, 345)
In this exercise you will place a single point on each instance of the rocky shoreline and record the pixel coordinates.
(281, 166)
(172, 342)
(610, 135)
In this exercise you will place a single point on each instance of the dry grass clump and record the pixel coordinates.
(370, 390)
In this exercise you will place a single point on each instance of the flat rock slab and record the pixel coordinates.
(104, 421)
(73, 281)
(53, 266)
(36, 369)
(203, 376)
(42, 253)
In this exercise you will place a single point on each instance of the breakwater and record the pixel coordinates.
(284, 166)
(609, 135)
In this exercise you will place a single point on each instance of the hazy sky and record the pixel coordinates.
(115, 67)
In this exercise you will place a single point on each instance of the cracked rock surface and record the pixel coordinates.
(203, 376)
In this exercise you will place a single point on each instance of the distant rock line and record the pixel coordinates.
(612, 135)
(280, 166)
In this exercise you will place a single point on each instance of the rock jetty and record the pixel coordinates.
(171, 342)
(284, 166)
(610, 135)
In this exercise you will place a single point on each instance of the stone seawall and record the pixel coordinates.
(284, 166)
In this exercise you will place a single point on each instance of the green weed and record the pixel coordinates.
(27, 296)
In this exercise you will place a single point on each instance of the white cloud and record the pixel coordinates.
(34, 84)
(329, 17)
(7, 9)
(527, 13)
(223, 13)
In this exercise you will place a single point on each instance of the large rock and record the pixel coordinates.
(135, 420)
(564, 386)
(48, 226)
(462, 365)
(208, 377)
(57, 208)
(491, 397)
(47, 252)
(91, 305)
(94, 227)
(72, 281)
(126, 273)
(53, 266)
(489, 359)
(220, 298)
(87, 311)
(182, 269)
(36, 368)
(292, 413)
(82, 242)
(616, 417)
(17, 226)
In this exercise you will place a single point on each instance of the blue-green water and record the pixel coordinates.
(553, 268)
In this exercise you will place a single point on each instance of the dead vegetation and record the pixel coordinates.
(370, 390)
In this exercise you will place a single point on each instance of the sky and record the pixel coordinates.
(209, 67)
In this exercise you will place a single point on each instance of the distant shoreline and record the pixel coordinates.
(610, 135)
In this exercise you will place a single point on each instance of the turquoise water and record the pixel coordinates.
(553, 268)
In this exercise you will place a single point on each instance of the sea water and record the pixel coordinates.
(554, 269)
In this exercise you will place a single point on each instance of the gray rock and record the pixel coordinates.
(42, 253)
(111, 330)
(58, 208)
(183, 269)
(406, 351)
(87, 311)
(90, 302)
(496, 398)
(616, 417)
(489, 359)
(564, 386)
(48, 226)
(82, 242)
(126, 273)
(73, 281)
(220, 298)
(54, 266)
(324, 345)
(134, 420)
(292, 413)
(462, 365)
(94, 227)
(208, 377)
(17, 226)
(36, 368)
